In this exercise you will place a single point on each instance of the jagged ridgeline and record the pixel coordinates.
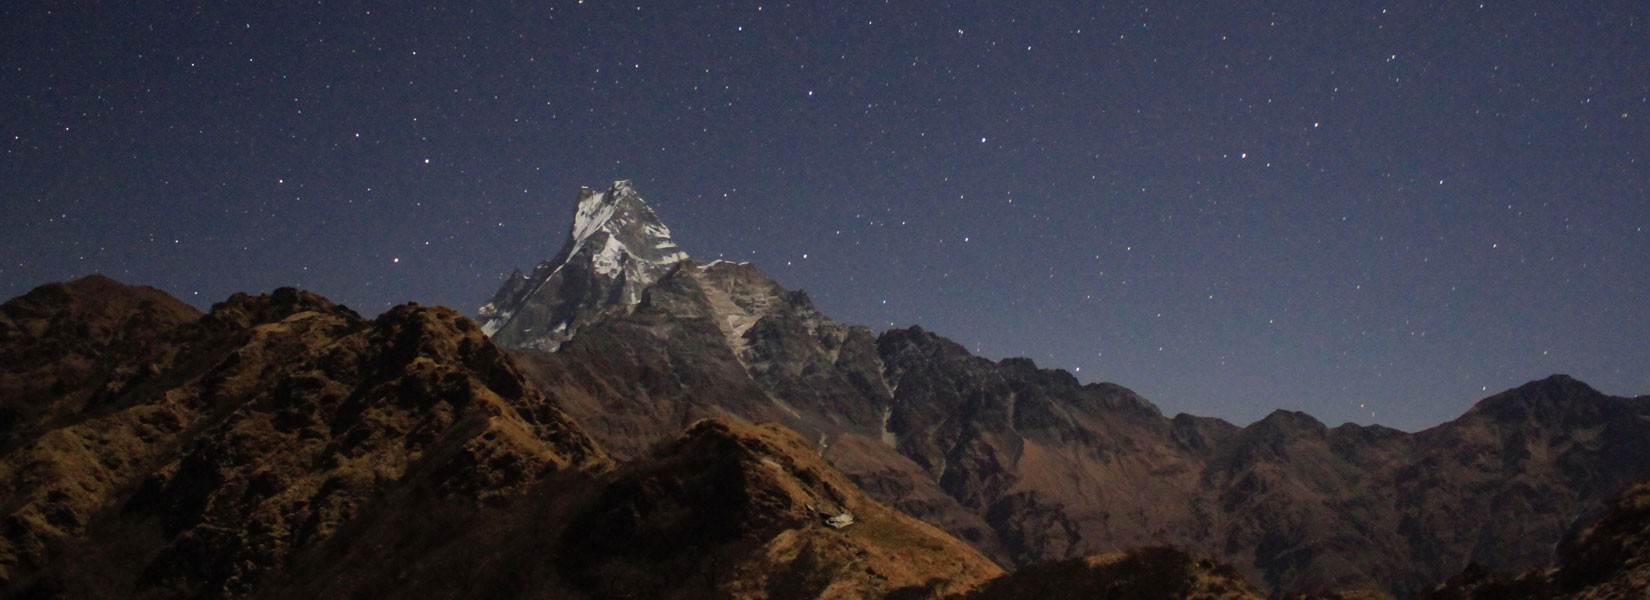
(664, 428)
(283, 446)
(636, 341)
(617, 248)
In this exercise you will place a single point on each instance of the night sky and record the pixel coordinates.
(1376, 213)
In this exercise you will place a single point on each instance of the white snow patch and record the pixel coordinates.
(491, 319)
(610, 261)
(593, 212)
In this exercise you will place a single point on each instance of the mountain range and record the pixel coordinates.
(626, 421)
(1029, 464)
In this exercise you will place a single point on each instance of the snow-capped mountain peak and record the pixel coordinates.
(635, 237)
(616, 247)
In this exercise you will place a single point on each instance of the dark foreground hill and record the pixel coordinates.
(283, 446)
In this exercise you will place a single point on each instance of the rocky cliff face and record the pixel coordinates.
(1028, 464)
(284, 446)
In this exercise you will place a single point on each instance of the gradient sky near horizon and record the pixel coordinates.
(1371, 212)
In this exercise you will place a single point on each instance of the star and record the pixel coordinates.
(1109, 153)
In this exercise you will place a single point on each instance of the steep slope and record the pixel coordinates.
(617, 247)
(1053, 466)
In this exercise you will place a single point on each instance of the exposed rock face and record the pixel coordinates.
(1028, 464)
(617, 248)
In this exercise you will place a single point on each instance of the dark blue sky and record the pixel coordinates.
(1374, 213)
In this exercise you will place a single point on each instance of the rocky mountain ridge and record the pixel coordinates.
(1029, 464)
(284, 446)
(273, 419)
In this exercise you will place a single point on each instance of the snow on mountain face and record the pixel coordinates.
(617, 247)
(636, 242)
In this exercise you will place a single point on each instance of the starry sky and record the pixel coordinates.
(1371, 212)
